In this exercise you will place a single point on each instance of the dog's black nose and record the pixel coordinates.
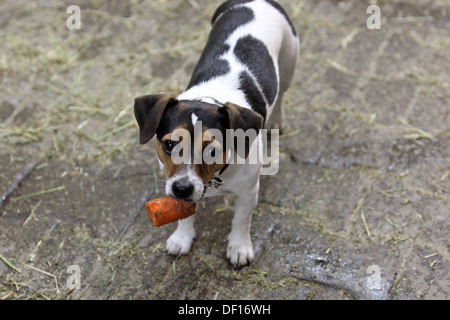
(182, 190)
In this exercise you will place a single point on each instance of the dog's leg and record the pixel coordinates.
(179, 243)
(276, 118)
(240, 248)
(287, 60)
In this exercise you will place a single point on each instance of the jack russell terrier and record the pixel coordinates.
(246, 66)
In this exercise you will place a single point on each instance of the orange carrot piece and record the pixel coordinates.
(167, 209)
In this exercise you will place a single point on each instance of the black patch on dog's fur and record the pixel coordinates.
(252, 94)
(254, 54)
(210, 65)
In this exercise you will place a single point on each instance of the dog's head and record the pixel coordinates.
(191, 138)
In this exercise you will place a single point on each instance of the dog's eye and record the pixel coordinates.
(168, 146)
(212, 152)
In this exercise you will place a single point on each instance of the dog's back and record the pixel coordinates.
(249, 58)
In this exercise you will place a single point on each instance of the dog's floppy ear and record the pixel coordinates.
(245, 119)
(148, 110)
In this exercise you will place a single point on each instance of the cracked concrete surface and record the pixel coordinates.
(359, 208)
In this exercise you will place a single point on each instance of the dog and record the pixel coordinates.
(238, 83)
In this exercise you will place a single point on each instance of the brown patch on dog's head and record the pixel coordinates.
(217, 161)
(170, 168)
(179, 117)
(210, 151)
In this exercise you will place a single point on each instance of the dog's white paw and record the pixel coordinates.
(179, 243)
(240, 253)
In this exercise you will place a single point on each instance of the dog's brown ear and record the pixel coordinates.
(245, 119)
(148, 110)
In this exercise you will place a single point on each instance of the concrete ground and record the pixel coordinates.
(358, 210)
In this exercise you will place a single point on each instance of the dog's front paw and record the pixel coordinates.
(240, 253)
(179, 243)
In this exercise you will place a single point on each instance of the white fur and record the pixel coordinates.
(194, 119)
